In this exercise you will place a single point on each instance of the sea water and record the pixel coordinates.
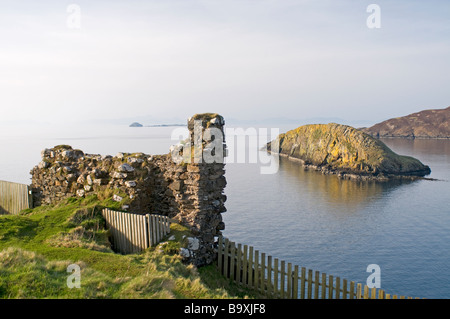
(312, 220)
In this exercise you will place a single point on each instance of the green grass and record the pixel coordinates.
(37, 246)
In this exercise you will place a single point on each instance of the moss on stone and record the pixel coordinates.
(205, 116)
(62, 147)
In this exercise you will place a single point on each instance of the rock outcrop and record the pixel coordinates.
(345, 151)
(424, 124)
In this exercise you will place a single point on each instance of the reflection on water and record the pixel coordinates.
(341, 226)
(439, 147)
(337, 193)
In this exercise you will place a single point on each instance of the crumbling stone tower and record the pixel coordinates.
(189, 191)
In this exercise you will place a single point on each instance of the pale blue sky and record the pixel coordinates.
(249, 59)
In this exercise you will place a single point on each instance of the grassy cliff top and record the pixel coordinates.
(37, 246)
(346, 149)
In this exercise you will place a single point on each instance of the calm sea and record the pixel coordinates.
(315, 221)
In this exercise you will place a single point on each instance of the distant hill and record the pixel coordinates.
(424, 124)
(136, 124)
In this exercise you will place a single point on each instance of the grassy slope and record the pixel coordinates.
(37, 246)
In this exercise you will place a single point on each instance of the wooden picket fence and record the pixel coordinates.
(14, 198)
(132, 233)
(277, 279)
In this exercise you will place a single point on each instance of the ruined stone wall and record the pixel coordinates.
(191, 193)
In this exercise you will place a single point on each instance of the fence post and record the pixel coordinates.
(167, 225)
(269, 277)
(155, 238)
(282, 279)
(289, 281)
(30, 197)
(123, 229)
(263, 273)
(134, 234)
(151, 232)
(295, 286)
(145, 222)
(256, 268)
(226, 258)
(338, 288)
(232, 260)
(330, 287)
(324, 286)
(220, 253)
(158, 229)
(373, 294)
(352, 290)
(302, 283)
(310, 280)
(344, 289)
(116, 233)
(245, 266)
(275, 277)
(142, 229)
(239, 263)
(366, 292)
(358, 291)
(250, 267)
(316, 285)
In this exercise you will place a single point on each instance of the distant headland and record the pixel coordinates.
(433, 123)
(136, 124)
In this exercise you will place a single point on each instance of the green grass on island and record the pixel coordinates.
(37, 246)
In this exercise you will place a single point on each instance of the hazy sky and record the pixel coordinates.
(249, 59)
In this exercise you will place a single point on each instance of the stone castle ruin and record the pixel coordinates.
(190, 191)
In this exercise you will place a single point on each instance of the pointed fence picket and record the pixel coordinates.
(132, 233)
(278, 279)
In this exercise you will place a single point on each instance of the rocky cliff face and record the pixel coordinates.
(345, 151)
(424, 124)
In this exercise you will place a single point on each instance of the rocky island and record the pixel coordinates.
(425, 124)
(346, 152)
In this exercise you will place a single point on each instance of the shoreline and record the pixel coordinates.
(351, 175)
(409, 137)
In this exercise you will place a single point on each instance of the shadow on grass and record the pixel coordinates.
(212, 278)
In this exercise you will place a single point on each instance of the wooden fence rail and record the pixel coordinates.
(132, 233)
(275, 278)
(14, 198)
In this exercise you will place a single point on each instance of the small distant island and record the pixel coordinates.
(136, 124)
(434, 123)
(345, 151)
